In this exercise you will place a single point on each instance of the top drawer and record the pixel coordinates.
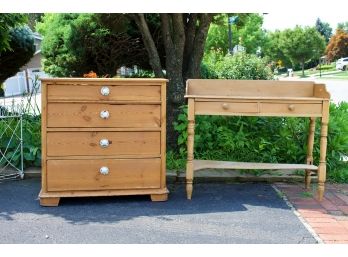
(61, 92)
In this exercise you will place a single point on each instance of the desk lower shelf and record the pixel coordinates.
(207, 164)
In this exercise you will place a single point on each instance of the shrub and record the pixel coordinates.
(31, 141)
(22, 49)
(2, 93)
(325, 67)
(260, 139)
(243, 66)
(238, 66)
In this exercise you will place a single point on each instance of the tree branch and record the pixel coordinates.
(190, 21)
(196, 55)
(149, 43)
(167, 40)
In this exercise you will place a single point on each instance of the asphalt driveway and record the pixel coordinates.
(217, 213)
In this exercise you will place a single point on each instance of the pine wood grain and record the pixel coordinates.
(88, 143)
(85, 175)
(259, 98)
(93, 93)
(72, 130)
(88, 115)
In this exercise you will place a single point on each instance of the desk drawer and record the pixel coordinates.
(67, 175)
(103, 143)
(225, 108)
(75, 115)
(104, 92)
(291, 109)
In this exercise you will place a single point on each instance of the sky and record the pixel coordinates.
(281, 13)
(283, 20)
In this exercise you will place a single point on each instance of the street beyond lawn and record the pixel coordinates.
(218, 213)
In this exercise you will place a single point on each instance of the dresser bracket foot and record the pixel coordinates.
(49, 201)
(159, 198)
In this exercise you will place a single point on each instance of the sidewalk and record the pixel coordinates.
(329, 218)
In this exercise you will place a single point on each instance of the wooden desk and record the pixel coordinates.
(259, 98)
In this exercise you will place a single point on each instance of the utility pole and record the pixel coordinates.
(231, 20)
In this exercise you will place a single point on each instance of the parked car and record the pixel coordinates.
(342, 64)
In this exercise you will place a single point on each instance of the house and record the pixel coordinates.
(22, 82)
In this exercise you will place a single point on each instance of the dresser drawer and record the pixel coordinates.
(67, 175)
(75, 115)
(296, 109)
(103, 143)
(225, 108)
(104, 92)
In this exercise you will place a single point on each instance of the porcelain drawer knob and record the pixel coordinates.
(104, 114)
(104, 143)
(105, 91)
(291, 107)
(104, 170)
(225, 106)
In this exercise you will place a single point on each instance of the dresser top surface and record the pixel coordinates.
(105, 80)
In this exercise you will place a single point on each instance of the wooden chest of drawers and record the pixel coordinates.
(103, 137)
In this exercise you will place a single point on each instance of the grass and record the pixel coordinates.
(306, 194)
(307, 72)
(313, 71)
(339, 175)
(337, 75)
(342, 74)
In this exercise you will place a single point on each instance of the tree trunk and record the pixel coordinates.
(195, 56)
(184, 37)
(174, 42)
(302, 63)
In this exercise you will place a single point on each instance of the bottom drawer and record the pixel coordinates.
(70, 175)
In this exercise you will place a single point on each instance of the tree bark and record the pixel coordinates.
(184, 37)
(302, 63)
(174, 43)
(149, 43)
(196, 55)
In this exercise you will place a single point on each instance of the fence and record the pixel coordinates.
(20, 84)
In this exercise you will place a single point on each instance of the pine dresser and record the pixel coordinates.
(103, 137)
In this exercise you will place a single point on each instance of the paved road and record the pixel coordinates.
(218, 213)
(338, 88)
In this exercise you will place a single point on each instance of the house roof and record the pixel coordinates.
(37, 35)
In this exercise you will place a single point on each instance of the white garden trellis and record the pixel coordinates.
(12, 110)
(11, 138)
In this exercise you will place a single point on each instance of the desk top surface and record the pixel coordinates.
(256, 89)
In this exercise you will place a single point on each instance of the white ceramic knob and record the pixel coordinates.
(104, 170)
(104, 114)
(104, 143)
(105, 91)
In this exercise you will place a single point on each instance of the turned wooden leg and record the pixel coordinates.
(159, 198)
(190, 144)
(310, 144)
(189, 165)
(49, 201)
(322, 162)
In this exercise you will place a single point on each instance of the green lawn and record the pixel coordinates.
(342, 74)
(313, 71)
(337, 75)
